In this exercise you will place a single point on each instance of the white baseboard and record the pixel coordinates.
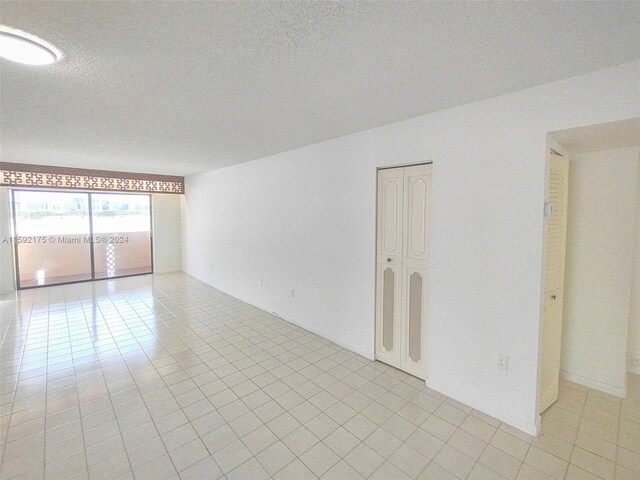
(369, 355)
(348, 346)
(595, 384)
(532, 426)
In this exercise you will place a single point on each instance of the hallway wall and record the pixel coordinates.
(601, 234)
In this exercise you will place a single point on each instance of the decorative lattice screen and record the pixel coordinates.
(41, 176)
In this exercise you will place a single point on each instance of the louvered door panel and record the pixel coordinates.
(556, 228)
(554, 267)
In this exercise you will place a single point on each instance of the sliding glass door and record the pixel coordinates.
(52, 235)
(63, 237)
(121, 234)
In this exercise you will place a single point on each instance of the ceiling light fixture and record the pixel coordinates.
(24, 48)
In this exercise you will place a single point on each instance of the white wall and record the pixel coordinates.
(7, 282)
(633, 348)
(167, 238)
(305, 220)
(601, 235)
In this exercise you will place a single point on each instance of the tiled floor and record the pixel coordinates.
(164, 377)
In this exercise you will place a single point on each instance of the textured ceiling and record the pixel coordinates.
(182, 87)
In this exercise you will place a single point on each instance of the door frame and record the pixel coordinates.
(375, 252)
(16, 263)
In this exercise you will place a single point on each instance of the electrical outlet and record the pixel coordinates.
(260, 282)
(213, 265)
(503, 362)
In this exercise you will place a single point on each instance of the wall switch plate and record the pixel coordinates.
(293, 294)
(260, 282)
(503, 362)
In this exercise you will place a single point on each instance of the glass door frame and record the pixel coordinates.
(16, 263)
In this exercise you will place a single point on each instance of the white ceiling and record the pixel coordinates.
(603, 136)
(182, 87)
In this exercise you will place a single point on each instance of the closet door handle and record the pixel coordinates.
(389, 260)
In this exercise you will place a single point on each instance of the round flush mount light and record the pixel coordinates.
(24, 48)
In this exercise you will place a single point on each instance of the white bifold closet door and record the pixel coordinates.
(402, 267)
(554, 268)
